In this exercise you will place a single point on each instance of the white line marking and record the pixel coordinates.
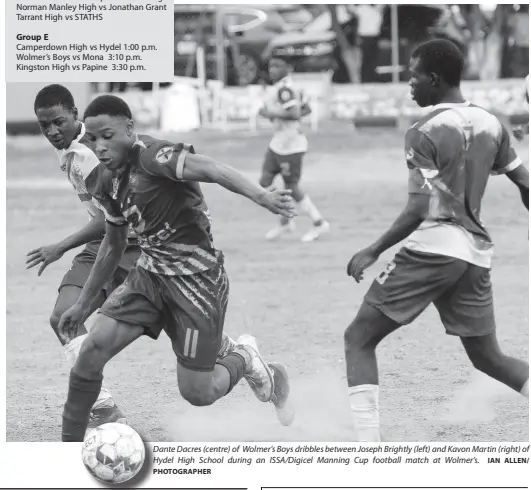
(38, 184)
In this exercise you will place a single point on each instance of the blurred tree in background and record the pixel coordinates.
(496, 37)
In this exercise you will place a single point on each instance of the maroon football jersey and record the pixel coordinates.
(168, 214)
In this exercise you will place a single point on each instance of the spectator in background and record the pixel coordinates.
(518, 24)
(370, 19)
(349, 30)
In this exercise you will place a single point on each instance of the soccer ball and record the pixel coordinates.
(113, 453)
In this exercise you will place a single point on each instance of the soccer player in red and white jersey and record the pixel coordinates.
(179, 283)
(58, 119)
(285, 105)
(450, 154)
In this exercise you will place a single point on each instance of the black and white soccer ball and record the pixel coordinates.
(113, 453)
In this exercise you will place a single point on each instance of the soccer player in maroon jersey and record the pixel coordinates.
(179, 283)
(450, 154)
(58, 119)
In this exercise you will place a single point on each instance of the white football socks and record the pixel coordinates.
(364, 405)
(525, 389)
(71, 352)
(307, 206)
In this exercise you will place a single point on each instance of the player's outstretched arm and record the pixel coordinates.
(520, 177)
(200, 168)
(48, 254)
(109, 255)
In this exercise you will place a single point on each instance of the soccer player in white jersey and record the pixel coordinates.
(450, 154)
(58, 119)
(285, 106)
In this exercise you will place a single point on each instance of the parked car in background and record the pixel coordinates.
(248, 30)
(313, 47)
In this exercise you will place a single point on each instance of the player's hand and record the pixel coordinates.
(279, 202)
(70, 322)
(361, 261)
(518, 133)
(43, 255)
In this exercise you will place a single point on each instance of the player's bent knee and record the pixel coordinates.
(486, 362)
(198, 398)
(98, 347)
(354, 334)
(353, 340)
(296, 192)
(368, 328)
(349, 336)
(196, 387)
(484, 353)
(68, 295)
(91, 359)
(55, 318)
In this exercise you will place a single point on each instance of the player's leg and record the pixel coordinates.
(269, 382)
(133, 309)
(291, 169)
(106, 339)
(198, 305)
(486, 356)
(361, 339)
(407, 285)
(67, 297)
(467, 311)
(270, 169)
(105, 409)
(72, 284)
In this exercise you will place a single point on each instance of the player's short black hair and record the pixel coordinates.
(53, 95)
(108, 105)
(442, 57)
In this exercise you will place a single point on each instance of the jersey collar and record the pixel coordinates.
(71, 148)
(451, 105)
(139, 142)
(77, 140)
(134, 155)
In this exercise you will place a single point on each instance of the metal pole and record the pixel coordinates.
(233, 68)
(200, 63)
(395, 44)
(220, 45)
(155, 89)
